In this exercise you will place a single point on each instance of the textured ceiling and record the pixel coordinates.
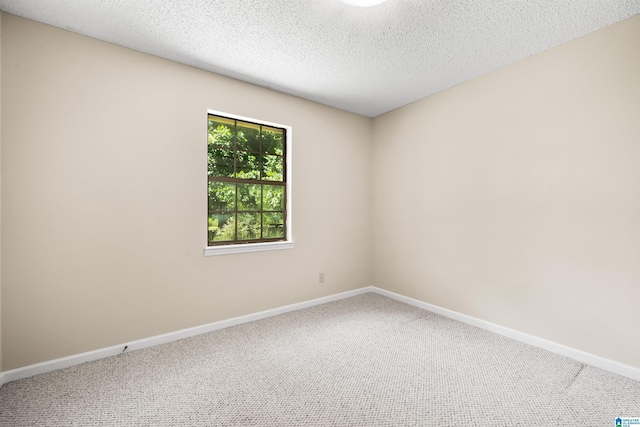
(365, 60)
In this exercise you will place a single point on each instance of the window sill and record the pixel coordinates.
(249, 247)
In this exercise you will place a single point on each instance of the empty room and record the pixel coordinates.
(319, 213)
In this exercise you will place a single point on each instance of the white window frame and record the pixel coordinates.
(239, 248)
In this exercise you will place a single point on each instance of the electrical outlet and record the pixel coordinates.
(321, 278)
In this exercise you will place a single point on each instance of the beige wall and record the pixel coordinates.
(104, 197)
(515, 197)
(1, 17)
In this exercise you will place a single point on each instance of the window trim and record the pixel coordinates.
(239, 248)
(236, 248)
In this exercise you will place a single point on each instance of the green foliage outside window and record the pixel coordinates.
(246, 182)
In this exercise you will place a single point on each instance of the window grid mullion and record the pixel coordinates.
(260, 157)
(235, 172)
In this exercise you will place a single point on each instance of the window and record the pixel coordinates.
(248, 190)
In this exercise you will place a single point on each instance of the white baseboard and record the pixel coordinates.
(579, 355)
(76, 359)
(65, 362)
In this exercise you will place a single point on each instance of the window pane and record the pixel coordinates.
(272, 140)
(272, 168)
(220, 162)
(248, 226)
(273, 198)
(220, 132)
(246, 192)
(222, 197)
(273, 225)
(222, 227)
(249, 197)
(248, 165)
(248, 137)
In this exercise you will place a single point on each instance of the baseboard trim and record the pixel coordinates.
(579, 355)
(77, 359)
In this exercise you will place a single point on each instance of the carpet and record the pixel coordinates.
(362, 361)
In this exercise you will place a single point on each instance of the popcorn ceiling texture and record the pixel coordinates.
(365, 60)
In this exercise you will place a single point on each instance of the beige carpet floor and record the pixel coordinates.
(362, 361)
